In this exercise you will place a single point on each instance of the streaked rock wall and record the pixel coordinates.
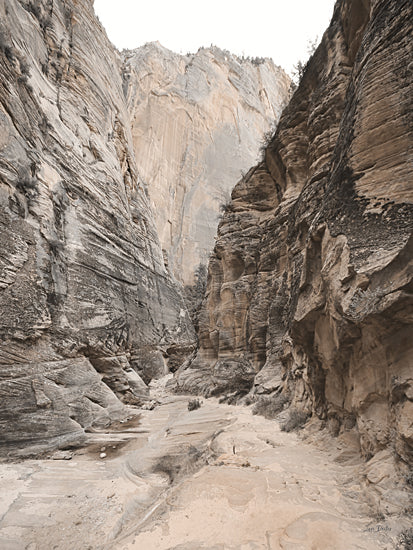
(309, 289)
(198, 121)
(86, 302)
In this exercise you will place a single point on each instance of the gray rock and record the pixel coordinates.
(83, 285)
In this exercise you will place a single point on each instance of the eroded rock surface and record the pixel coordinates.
(198, 121)
(213, 478)
(310, 283)
(84, 293)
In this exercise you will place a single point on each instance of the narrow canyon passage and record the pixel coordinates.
(202, 215)
(214, 478)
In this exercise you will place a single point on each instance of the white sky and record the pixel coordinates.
(279, 29)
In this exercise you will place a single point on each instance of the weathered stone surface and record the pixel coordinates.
(219, 477)
(311, 278)
(83, 284)
(198, 121)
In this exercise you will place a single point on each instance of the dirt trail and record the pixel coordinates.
(214, 478)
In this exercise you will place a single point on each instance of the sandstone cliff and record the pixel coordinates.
(310, 284)
(86, 302)
(198, 121)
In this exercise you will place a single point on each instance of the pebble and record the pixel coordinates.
(102, 455)
(62, 455)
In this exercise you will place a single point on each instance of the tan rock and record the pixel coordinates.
(309, 280)
(198, 121)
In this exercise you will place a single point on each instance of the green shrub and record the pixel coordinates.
(194, 294)
(45, 20)
(35, 9)
(24, 66)
(296, 420)
(9, 52)
(194, 404)
(270, 406)
(27, 183)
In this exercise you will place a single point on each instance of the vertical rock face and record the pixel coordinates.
(310, 283)
(197, 122)
(85, 299)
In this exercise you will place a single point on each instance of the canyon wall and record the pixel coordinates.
(310, 284)
(86, 301)
(198, 121)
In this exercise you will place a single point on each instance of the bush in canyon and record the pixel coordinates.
(194, 294)
(270, 406)
(44, 19)
(27, 183)
(296, 420)
(24, 66)
(5, 46)
(301, 66)
(194, 404)
(266, 140)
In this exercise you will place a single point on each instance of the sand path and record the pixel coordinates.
(214, 478)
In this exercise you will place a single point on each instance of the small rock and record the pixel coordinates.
(102, 455)
(103, 449)
(62, 455)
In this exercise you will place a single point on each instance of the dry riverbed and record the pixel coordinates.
(213, 478)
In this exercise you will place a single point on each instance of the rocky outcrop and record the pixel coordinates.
(198, 121)
(310, 283)
(85, 297)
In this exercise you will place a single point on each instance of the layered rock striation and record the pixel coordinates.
(86, 301)
(310, 283)
(198, 121)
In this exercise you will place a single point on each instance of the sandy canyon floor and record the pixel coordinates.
(214, 478)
